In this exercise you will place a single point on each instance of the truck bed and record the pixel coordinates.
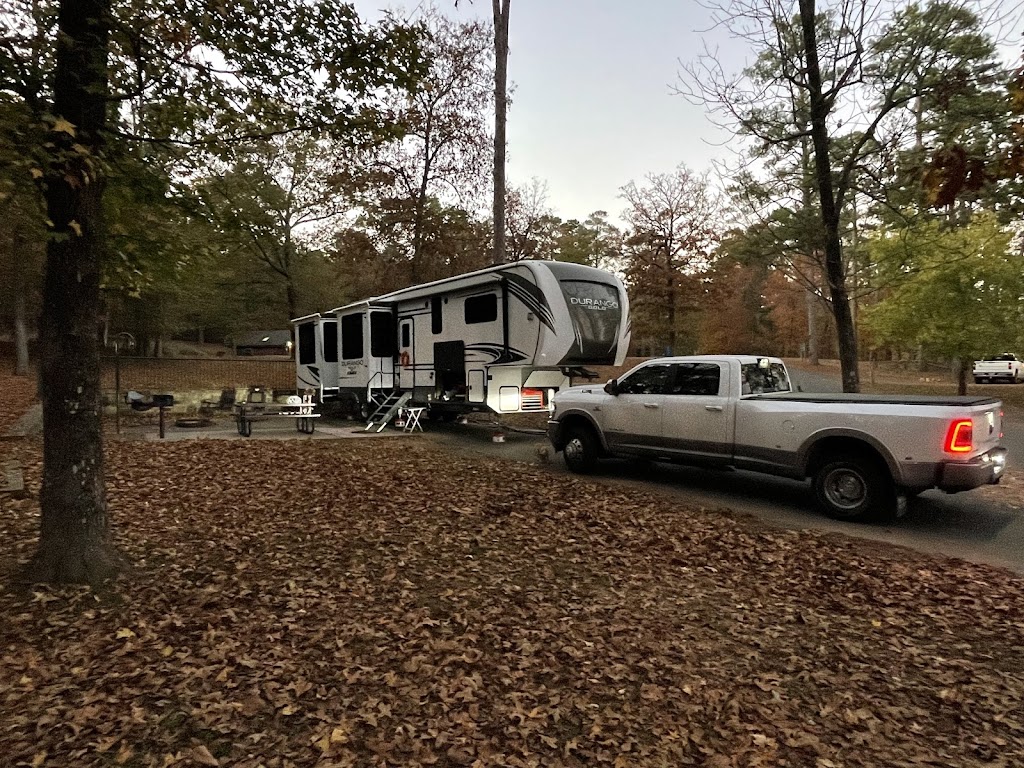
(849, 397)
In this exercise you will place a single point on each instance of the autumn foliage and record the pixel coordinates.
(380, 602)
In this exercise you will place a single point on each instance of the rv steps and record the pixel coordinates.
(387, 410)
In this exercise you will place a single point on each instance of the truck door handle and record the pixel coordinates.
(712, 408)
(650, 405)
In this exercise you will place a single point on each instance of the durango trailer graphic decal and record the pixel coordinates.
(532, 297)
(497, 353)
(596, 314)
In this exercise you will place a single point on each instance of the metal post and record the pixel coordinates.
(117, 389)
(126, 339)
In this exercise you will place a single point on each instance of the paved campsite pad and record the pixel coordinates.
(381, 602)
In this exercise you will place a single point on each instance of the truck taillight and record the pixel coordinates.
(960, 437)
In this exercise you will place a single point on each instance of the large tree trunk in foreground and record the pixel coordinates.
(74, 543)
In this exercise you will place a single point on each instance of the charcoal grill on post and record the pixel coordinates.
(138, 402)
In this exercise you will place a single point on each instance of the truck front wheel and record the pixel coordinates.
(855, 488)
(580, 449)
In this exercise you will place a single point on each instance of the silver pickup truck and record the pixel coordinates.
(864, 453)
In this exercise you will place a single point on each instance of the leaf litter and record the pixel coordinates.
(383, 603)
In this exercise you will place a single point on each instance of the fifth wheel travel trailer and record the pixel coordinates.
(504, 339)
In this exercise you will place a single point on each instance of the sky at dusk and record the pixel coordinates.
(592, 107)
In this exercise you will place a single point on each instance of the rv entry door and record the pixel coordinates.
(382, 349)
(406, 354)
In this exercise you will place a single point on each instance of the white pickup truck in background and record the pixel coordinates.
(1005, 367)
(864, 453)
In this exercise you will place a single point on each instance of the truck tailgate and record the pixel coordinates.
(987, 426)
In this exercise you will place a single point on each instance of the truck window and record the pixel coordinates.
(695, 379)
(757, 380)
(651, 380)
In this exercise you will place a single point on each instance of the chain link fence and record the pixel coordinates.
(199, 373)
(193, 381)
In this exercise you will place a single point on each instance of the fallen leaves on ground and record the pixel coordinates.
(17, 394)
(361, 602)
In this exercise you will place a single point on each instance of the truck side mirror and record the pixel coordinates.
(612, 387)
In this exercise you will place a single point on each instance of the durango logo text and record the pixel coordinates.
(595, 303)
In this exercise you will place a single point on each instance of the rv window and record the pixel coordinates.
(435, 314)
(405, 334)
(382, 334)
(481, 309)
(352, 337)
(307, 343)
(330, 341)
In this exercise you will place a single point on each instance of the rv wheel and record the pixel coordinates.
(580, 450)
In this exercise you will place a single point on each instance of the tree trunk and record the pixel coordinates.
(961, 376)
(671, 285)
(74, 542)
(20, 333)
(500, 8)
(293, 298)
(20, 287)
(812, 328)
(806, 184)
(421, 203)
(845, 332)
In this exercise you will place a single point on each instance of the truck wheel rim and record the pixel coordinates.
(845, 489)
(574, 449)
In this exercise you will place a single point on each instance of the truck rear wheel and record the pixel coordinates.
(856, 488)
(580, 450)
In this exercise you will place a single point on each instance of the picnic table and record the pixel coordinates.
(302, 409)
